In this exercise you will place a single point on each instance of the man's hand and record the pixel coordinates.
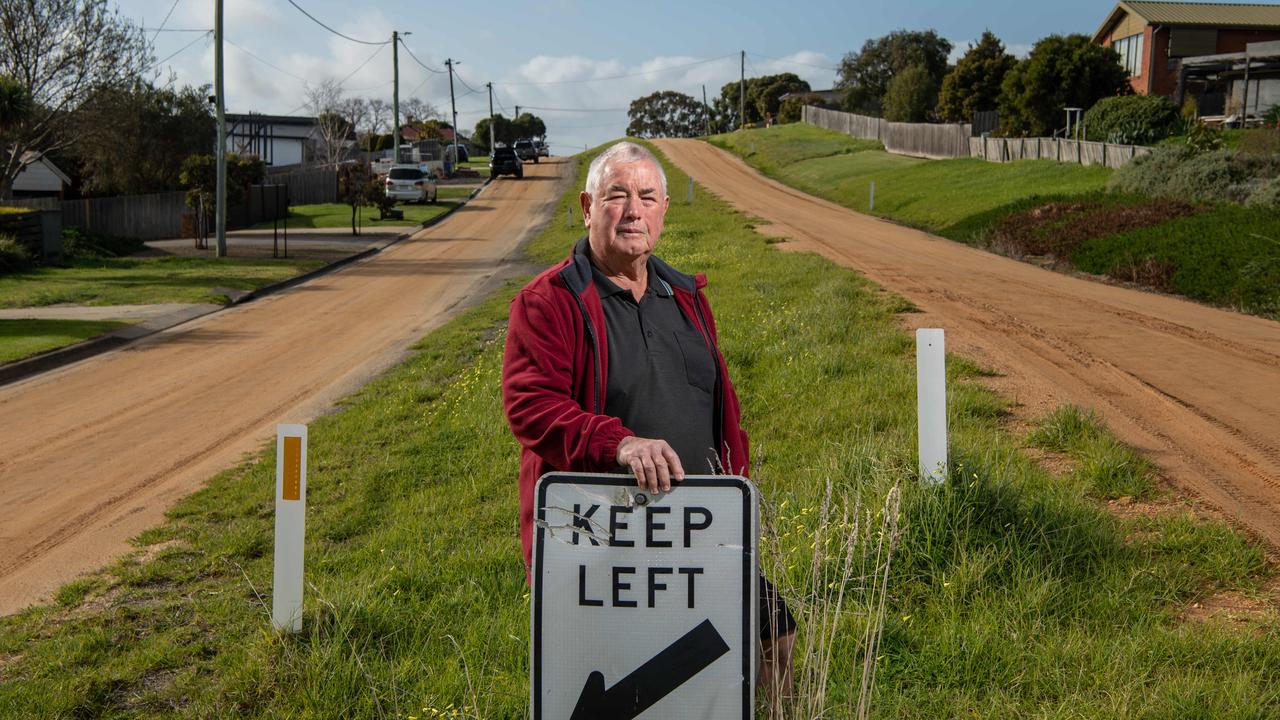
(653, 462)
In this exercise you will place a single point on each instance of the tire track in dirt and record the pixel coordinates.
(1194, 388)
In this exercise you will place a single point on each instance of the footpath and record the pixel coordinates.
(336, 247)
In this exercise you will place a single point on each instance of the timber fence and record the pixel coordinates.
(996, 149)
(308, 187)
(939, 141)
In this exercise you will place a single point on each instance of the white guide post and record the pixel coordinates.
(931, 404)
(291, 503)
(871, 203)
(689, 199)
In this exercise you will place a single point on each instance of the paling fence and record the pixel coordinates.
(308, 187)
(931, 140)
(1060, 149)
(953, 141)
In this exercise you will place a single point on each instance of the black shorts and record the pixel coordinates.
(775, 617)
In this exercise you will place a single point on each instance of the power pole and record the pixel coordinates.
(706, 112)
(517, 113)
(742, 93)
(395, 96)
(454, 109)
(220, 193)
(490, 86)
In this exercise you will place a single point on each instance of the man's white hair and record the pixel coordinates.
(623, 152)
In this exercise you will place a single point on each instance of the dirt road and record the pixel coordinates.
(95, 452)
(1197, 390)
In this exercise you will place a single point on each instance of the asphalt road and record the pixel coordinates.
(95, 452)
(1195, 388)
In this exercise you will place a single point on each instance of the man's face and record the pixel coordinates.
(625, 217)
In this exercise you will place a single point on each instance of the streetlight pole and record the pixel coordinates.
(395, 97)
(453, 108)
(220, 191)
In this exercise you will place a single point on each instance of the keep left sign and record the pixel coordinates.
(643, 605)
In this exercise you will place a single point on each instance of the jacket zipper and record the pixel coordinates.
(595, 351)
(715, 359)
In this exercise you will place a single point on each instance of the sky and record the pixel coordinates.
(577, 65)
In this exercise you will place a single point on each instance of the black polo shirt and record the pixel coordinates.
(662, 377)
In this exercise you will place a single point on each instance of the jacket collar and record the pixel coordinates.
(577, 273)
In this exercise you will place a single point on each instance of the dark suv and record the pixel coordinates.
(504, 161)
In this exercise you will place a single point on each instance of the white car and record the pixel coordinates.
(410, 184)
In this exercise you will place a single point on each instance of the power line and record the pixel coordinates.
(415, 59)
(245, 50)
(548, 109)
(620, 77)
(173, 55)
(335, 32)
(165, 21)
(360, 67)
(464, 82)
(186, 30)
(795, 62)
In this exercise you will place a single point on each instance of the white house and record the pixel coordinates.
(40, 178)
(276, 139)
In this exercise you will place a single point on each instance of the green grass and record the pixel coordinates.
(934, 195)
(137, 281)
(1228, 256)
(24, 338)
(337, 215)
(1013, 594)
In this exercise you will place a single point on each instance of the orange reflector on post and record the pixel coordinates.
(292, 489)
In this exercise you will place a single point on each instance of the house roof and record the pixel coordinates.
(31, 157)
(1235, 15)
(270, 119)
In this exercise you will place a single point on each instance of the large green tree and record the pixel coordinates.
(666, 113)
(865, 75)
(59, 52)
(132, 139)
(763, 95)
(911, 97)
(1062, 71)
(973, 85)
(507, 130)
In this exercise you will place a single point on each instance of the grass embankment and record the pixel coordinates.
(337, 215)
(1224, 254)
(24, 338)
(141, 281)
(1012, 594)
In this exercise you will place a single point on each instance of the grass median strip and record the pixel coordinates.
(23, 338)
(337, 215)
(143, 281)
(1012, 593)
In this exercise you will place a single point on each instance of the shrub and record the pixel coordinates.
(80, 243)
(1266, 195)
(1132, 119)
(1211, 177)
(13, 255)
(1148, 174)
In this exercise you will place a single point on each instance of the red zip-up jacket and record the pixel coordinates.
(556, 368)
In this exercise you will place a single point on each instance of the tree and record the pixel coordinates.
(334, 131)
(911, 96)
(418, 109)
(1062, 71)
(59, 51)
(528, 125)
(865, 75)
(666, 114)
(133, 139)
(974, 84)
(15, 104)
(763, 95)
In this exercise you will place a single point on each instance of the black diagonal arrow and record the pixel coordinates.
(652, 681)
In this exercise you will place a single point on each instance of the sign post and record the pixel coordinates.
(931, 403)
(291, 502)
(644, 605)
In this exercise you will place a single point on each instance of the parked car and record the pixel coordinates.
(543, 150)
(411, 183)
(526, 150)
(505, 161)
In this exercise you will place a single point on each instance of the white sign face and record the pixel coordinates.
(643, 605)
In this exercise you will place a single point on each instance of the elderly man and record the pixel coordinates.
(612, 364)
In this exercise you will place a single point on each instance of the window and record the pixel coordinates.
(1130, 49)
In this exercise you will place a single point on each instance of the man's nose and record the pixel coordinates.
(632, 208)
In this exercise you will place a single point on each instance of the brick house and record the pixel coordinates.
(1153, 37)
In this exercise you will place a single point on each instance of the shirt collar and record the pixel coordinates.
(607, 288)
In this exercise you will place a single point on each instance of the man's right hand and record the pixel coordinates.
(653, 462)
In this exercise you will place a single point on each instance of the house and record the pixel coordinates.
(40, 178)
(275, 139)
(1153, 37)
(1238, 87)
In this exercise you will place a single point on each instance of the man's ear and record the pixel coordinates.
(584, 202)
